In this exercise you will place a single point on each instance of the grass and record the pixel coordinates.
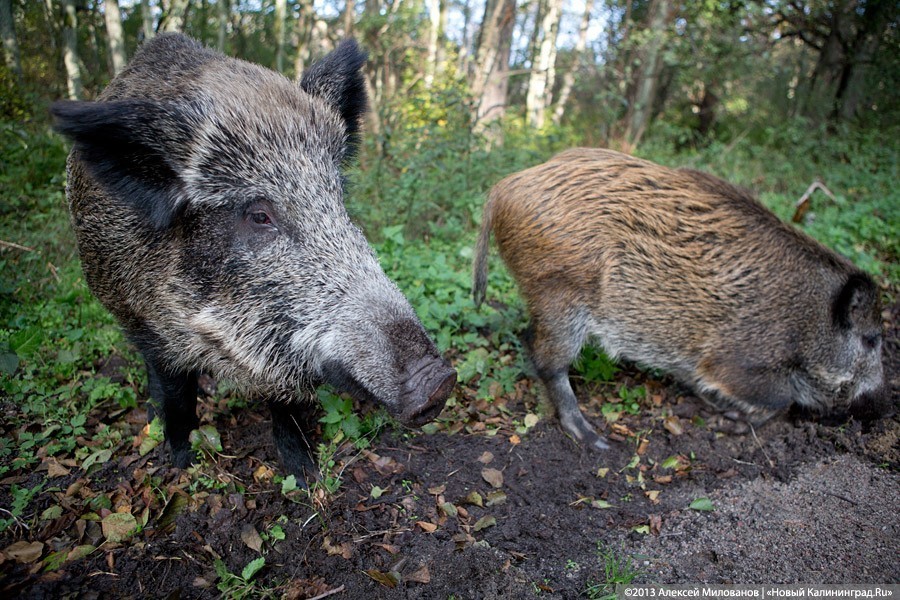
(618, 569)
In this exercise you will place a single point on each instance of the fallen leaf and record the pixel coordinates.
(653, 495)
(420, 575)
(390, 548)
(642, 447)
(485, 522)
(79, 552)
(118, 527)
(486, 457)
(449, 509)
(673, 425)
(602, 471)
(24, 552)
(343, 550)
(600, 504)
(531, 420)
(495, 498)
(54, 469)
(377, 492)
(251, 537)
(492, 476)
(386, 579)
(515, 440)
(474, 498)
(663, 479)
(434, 491)
(263, 474)
(702, 504)
(655, 524)
(426, 526)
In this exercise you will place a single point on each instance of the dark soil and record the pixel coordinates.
(798, 500)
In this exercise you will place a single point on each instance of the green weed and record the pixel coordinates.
(618, 569)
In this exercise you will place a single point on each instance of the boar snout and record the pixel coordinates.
(426, 390)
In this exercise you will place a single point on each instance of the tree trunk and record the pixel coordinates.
(114, 36)
(174, 17)
(434, 32)
(873, 30)
(491, 80)
(640, 108)
(280, 33)
(70, 50)
(465, 50)
(147, 21)
(303, 30)
(223, 10)
(577, 61)
(543, 72)
(10, 42)
(349, 17)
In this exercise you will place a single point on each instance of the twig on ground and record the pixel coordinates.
(5, 244)
(753, 431)
(336, 590)
(801, 207)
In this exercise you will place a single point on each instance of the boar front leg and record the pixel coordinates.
(175, 396)
(555, 342)
(290, 432)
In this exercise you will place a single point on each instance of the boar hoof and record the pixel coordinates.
(577, 426)
(183, 458)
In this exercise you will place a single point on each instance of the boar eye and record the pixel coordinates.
(871, 341)
(260, 218)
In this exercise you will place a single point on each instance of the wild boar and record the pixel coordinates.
(679, 270)
(207, 200)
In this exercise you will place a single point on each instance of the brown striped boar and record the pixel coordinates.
(679, 270)
(206, 196)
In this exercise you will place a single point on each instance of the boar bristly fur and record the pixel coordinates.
(680, 271)
(206, 195)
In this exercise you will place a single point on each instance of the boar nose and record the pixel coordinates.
(427, 390)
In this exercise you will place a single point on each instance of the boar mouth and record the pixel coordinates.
(422, 396)
(419, 414)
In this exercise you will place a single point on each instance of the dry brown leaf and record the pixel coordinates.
(24, 552)
(390, 548)
(655, 524)
(642, 447)
(420, 575)
(434, 491)
(251, 537)
(486, 457)
(263, 474)
(426, 526)
(653, 495)
(663, 479)
(54, 468)
(492, 476)
(515, 440)
(673, 425)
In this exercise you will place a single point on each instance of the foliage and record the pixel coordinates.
(618, 569)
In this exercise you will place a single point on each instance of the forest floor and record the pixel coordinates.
(522, 511)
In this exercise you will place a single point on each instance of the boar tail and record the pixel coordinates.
(479, 280)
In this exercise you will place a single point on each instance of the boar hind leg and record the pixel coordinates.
(555, 344)
(175, 396)
(290, 433)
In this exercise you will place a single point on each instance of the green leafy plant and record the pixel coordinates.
(238, 587)
(618, 569)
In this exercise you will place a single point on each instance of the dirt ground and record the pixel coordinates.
(465, 514)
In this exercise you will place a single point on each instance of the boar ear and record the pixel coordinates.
(855, 300)
(337, 79)
(127, 146)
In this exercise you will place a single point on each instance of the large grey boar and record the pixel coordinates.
(206, 196)
(680, 271)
